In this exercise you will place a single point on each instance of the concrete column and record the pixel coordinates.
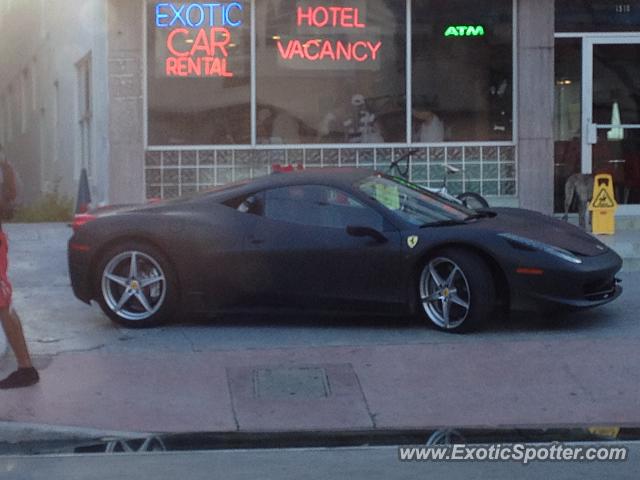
(536, 24)
(126, 151)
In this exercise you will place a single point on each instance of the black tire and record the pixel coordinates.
(475, 287)
(473, 200)
(161, 296)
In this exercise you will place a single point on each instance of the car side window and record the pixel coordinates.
(318, 206)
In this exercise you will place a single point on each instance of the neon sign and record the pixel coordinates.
(199, 37)
(313, 50)
(197, 15)
(317, 49)
(464, 31)
(320, 17)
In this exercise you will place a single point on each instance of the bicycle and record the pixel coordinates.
(470, 200)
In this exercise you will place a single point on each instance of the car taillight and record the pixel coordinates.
(80, 219)
(279, 168)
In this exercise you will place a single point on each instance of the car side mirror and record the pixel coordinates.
(250, 204)
(359, 231)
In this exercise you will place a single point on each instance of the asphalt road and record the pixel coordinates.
(55, 322)
(320, 464)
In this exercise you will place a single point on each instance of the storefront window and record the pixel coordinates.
(331, 72)
(199, 75)
(597, 15)
(462, 70)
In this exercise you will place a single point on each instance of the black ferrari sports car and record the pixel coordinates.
(334, 241)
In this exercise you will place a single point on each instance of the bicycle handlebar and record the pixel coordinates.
(405, 156)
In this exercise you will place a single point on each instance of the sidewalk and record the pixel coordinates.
(338, 388)
(537, 380)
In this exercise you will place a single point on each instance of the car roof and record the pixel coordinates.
(338, 177)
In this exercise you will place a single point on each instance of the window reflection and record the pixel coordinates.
(597, 15)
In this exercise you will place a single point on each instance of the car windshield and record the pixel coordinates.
(413, 203)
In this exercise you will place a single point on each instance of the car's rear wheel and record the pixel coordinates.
(456, 290)
(136, 285)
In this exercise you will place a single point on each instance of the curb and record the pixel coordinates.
(18, 432)
(29, 433)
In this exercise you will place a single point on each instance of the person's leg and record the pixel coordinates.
(25, 375)
(13, 330)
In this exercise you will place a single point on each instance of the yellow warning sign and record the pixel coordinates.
(603, 200)
(603, 205)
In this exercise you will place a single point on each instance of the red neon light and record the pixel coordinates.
(209, 42)
(327, 49)
(171, 39)
(207, 56)
(314, 50)
(199, 66)
(320, 17)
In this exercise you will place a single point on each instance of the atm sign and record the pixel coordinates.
(464, 31)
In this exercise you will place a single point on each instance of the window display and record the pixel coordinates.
(462, 70)
(313, 72)
(331, 73)
(199, 75)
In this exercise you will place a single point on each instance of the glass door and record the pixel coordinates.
(567, 121)
(611, 115)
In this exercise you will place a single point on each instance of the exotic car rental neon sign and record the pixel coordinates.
(200, 37)
(316, 49)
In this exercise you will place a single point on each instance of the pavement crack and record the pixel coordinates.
(231, 401)
(364, 399)
(190, 342)
(81, 350)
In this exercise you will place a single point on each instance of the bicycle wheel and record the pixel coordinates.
(473, 200)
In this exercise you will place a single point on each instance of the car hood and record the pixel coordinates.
(543, 228)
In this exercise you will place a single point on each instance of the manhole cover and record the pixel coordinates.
(288, 382)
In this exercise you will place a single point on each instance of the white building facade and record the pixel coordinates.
(162, 99)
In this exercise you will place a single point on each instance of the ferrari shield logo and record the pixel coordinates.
(412, 241)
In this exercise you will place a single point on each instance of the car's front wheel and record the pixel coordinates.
(136, 285)
(456, 290)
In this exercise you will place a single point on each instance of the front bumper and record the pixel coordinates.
(551, 301)
(590, 284)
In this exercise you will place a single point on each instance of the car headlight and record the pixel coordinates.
(530, 244)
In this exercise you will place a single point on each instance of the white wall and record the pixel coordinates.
(48, 37)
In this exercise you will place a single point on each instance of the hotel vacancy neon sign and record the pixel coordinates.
(333, 19)
(199, 38)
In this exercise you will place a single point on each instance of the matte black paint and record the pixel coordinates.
(231, 261)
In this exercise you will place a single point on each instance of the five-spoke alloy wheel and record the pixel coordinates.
(456, 290)
(136, 285)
